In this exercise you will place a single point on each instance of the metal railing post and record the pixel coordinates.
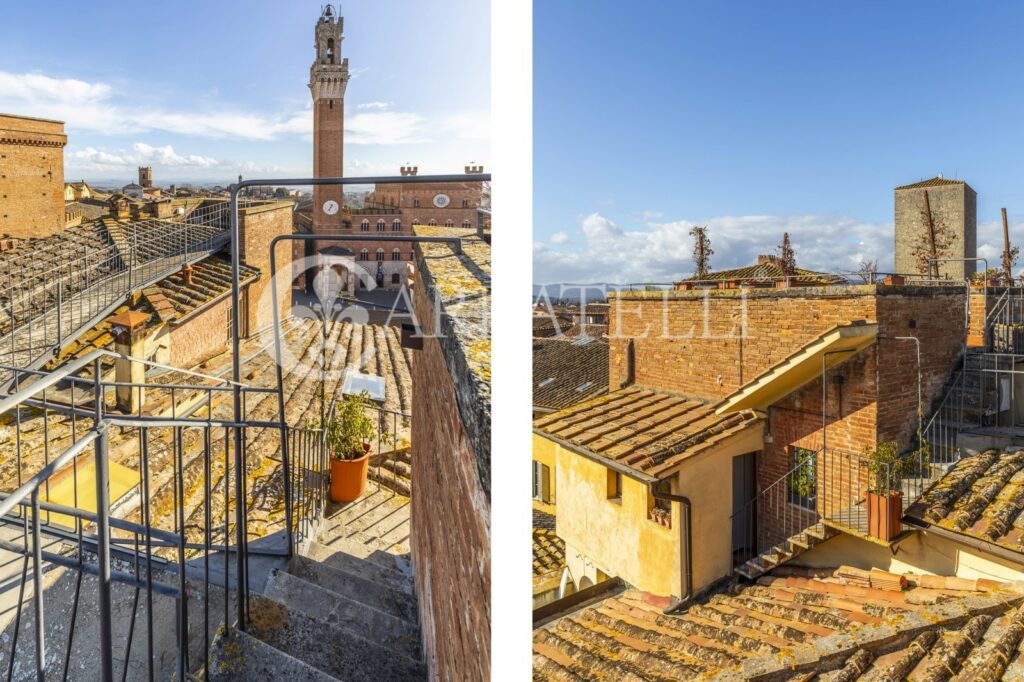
(60, 314)
(103, 531)
(37, 597)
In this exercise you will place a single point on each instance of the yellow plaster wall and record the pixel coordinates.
(544, 451)
(616, 536)
(922, 552)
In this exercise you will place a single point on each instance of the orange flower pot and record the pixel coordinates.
(348, 477)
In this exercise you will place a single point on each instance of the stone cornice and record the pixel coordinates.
(33, 141)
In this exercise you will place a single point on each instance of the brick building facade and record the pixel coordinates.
(947, 207)
(31, 176)
(871, 397)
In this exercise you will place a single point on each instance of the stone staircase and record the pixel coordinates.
(393, 470)
(786, 550)
(343, 609)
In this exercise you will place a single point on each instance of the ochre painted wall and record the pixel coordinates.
(544, 451)
(616, 536)
(922, 553)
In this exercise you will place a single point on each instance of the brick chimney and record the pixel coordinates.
(474, 170)
(186, 273)
(767, 259)
(410, 170)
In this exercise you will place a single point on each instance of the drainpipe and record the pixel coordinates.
(687, 582)
(630, 366)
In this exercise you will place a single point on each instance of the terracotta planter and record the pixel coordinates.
(348, 477)
(884, 512)
(894, 280)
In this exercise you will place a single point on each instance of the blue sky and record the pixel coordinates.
(152, 83)
(756, 118)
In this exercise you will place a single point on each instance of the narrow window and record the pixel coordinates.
(396, 226)
(380, 255)
(396, 279)
(364, 255)
(364, 226)
(380, 225)
(396, 254)
(448, 223)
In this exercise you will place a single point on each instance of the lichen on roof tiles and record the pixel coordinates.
(791, 627)
(981, 496)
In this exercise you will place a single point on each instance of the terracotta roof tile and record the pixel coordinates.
(648, 431)
(932, 182)
(566, 372)
(793, 628)
(981, 496)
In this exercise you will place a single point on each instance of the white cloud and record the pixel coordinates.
(559, 238)
(663, 251)
(385, 127)
(94, 159)
(95, 107)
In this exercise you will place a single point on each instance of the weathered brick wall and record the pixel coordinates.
(937, 320)
(692, 343)
(869, 398)
(450, 523)
(257, 227)
(953, 207)
(31, 176)
(201, 336)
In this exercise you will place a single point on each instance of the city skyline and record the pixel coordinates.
(758, 120)
(182, 112)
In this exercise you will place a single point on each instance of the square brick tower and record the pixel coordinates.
(943, 209)
(327, 80)
(31, 176)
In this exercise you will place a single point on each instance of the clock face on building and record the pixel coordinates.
(441, 200)
(330, 207)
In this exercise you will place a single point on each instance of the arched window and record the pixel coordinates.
(448, 223)
(396, 226)
(380, 225)
(380, 255)
(364, 255)
(364, 226)
(396, 279)
(396, 254)
(432, 223)
(466, 223)
(330, 50)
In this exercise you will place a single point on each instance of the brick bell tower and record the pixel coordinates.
(328, 77)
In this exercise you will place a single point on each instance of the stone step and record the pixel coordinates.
(238, 657)
(326, 646)
(351, 615)
(337, 557)
(391, 480)
(381, 597)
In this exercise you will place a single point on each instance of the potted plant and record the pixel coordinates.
(884, 497)
(348, 434)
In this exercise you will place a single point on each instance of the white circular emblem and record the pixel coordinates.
(441, 200)
(330, 207)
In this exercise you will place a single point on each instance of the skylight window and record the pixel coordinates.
(545, 382)
(583, 387)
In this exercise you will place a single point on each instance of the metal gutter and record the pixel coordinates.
(686, 543)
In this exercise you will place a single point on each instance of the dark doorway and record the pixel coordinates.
(744, 517)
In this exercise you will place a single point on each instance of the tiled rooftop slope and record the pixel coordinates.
(981, 496)
(648, 431)
(346, 342)
(796, 628)
(566, 371)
